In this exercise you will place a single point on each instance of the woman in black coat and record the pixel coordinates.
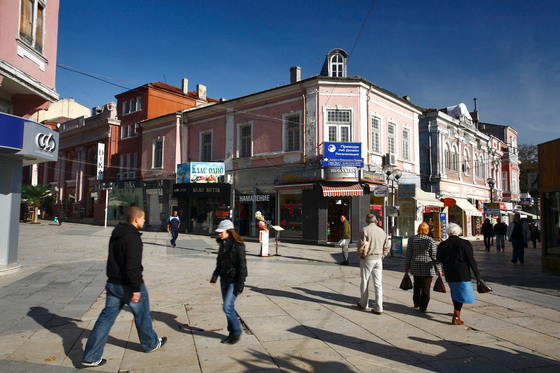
(456, 255)
(231, 267)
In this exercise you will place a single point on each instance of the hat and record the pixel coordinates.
(224, 226)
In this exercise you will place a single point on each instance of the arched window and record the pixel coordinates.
(476, 166)
(447, 157)
(466, 166)
(337, 66)
(454, 159)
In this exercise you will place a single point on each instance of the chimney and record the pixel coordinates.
(201, 91)
(295, 74)
(185, 86)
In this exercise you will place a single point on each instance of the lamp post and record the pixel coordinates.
(491, 182)
(392, 174)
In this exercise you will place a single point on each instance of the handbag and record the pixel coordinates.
(363, 250)
(439, 286)
(482, 286)
(406, 283)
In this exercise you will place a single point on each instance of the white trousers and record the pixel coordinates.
(374, 269)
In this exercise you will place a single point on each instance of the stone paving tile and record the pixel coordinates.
(274, 328)
(524, 337)
(313, 360)
(394, 361)
(468, 365)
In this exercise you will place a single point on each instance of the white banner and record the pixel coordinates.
(100, 160)
(35, 174)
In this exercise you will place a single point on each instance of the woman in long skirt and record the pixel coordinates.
(456, 255)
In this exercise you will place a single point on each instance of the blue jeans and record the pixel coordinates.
(117, 297)
(518, 250)
(500, 242)
(229, 296)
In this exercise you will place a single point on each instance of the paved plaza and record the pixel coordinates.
(298, 310)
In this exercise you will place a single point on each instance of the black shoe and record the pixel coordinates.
(226, 339)
(232, 339)
(174, 245)
(97, 363)
(160, 344)
(514, 261)
(344, 263)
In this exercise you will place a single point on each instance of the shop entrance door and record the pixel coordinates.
(337, 206)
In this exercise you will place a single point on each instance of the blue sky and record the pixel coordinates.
(440, 53)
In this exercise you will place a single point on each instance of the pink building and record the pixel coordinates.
(272, 145)
(28, 44)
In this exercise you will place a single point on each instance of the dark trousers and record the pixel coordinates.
(487, 241)
(421, 296)
(174, 234)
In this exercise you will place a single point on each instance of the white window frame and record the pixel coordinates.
(376, 134)
(337, 125)
(466, 158)
(514, 182)
(240, 127)
(160, 139)
(31, 40)
(138, 103)
(125, 107)
(201, 136)
(504, 180)
(476, 166)
(394, 137)
(406, 143)
(447, 157)
(337, 66)
(287, 131)
(454, 158)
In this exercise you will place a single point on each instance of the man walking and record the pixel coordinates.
(500, 230)
(377, 248)
(125, 285)
(173, 224)
(518, 234)
(345, 234)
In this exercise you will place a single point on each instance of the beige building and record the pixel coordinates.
(64, 108)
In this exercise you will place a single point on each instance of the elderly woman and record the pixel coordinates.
(421, 262)
(456, 255)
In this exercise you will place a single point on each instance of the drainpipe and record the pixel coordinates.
(304, 123)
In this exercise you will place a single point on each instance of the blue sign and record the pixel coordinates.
(343, 154)
(443, 225)
(343, 150)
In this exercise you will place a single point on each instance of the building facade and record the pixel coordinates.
(272, 144)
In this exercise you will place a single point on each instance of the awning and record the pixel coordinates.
(293, 187)
(372, 187)
(466, 206)
(335, 190)
(524, 214)
(425, 199)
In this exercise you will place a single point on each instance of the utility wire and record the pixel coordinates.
(363, 27)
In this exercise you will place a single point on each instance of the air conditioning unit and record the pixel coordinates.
(391, 159)
(227, 178)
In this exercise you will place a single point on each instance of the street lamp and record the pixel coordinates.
(392, 174)
(491, 182)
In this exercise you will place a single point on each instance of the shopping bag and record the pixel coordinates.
(482, 286)
(439, 286)
(406, 283)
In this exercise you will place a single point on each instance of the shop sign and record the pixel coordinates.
(39, 142)
(200, 172)
(492, 208)
(407, 190)
(443, 220)
(526, 201)
(381, 191)
(118, 185)
(254, 198)
(372, 177)
(343, 154)
(341, 174)
(100, 161)
(431, 209)
(195, 190)
(300, 176)
(393, 211)
(449, 202)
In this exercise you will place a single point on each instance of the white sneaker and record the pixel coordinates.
(160, 344)
(97, 363)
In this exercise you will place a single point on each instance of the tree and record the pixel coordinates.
(34, 195)
(529, 162)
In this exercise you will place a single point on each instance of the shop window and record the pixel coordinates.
(32, 21)
(206, 146)
(291, 133)
(245, 142)
(338, 125)
(375, 135)
(157, 161)
(291, 214)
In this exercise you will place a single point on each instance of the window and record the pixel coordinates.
(476, 166)
(206, 147)
(125, 107)
(514, 182)
(291, 133)
(338, 125)
(245, 141)
(157, 161)
(447, 157)
(375, 135)
(451, 131)
(121, 167)
(504, 181)
(337, 66)
(466, 166)
(391, 138)
(454, 158)
(132, 106)
(406, 144)
(138, 103)
(32, 20)
(130, 130)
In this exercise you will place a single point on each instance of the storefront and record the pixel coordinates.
(464, 213)
(250, 200)
(201, 206)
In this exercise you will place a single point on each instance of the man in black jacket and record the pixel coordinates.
(125, 285)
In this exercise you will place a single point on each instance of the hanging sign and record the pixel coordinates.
(100, 161)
